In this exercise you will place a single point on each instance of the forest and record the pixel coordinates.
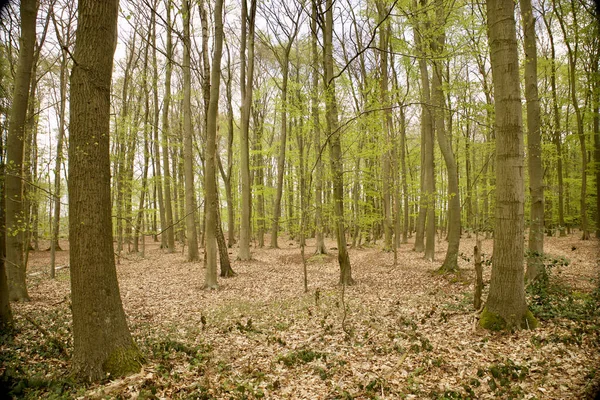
(300, 199)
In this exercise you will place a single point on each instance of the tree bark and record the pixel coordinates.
(190, 193)
(320, 242)
(210, 176)
(506, 307)
(16, 270)
(101, 340)
(246, 82)
(335, 148)
(535, 263)
(170, 230)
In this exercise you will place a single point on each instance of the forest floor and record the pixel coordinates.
(402, 331)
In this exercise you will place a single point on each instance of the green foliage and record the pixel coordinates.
(302, 356)
(549, 298)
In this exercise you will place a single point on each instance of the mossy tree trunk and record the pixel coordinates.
(506, 307)
(101, 340)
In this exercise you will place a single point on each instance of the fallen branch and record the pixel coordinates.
(50, 337)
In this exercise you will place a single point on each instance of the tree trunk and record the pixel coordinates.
(534, 146)
(210, 176)
(170, 230)
(101, 340)
(6, 318)
(572, 57)
(16, 270)
(320, 242)
(282, 147)
(190, 193)
(158, 179)
(246, 82)
(54, 240)
(335, 148)
(506, 307)
(451, 260)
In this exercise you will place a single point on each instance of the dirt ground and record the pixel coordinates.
(402, 331)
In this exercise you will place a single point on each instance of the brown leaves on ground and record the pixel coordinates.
(409, 332)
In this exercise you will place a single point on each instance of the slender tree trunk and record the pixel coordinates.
(282, 147)
(190, 193)
(6, 318)
(158, 179)
(170, 231)
(506, 307)
(384, 33)
(534, 146)
(246, 82)
(320, 242)
(54, 244)
(335, 148)
(572, 53)
(16, 269)
(451, 260)
(101, 340)
(210, 176)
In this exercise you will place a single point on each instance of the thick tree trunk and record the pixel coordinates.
(506, 307)
(101, 340)
(190, 193)
(534, 146)
(16, 269)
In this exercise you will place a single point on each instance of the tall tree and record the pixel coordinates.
(534, 145)
(158, 178)
(506, 307)
(6, 317)
(335, 147)
(425, 235)
(190, 194)
(101, 340)
(572, 45)
(64, 36)
(320, 242)
(438, 47)
(284, 13)
(16, 269)
(210, 183)
(170, 230)
(246, 86)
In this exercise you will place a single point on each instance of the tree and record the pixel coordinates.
(534, 145)
(101, 340)
(335, 147)
(210, 183)
(506, 307)
(438, 43)
(6, 318)
(165, 131)
(246, 81)
(16, 269)
(190, 197)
